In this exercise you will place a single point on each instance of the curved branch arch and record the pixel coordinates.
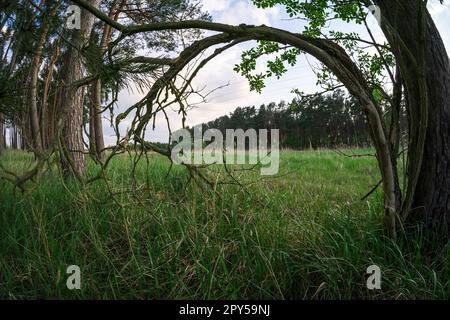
(332, 55)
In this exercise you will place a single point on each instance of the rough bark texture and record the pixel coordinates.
(73, 160)
(431, 203)
(418, 44)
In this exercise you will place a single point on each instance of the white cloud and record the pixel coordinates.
(243, 11)
(436, 8)
(441, 16)
(214, 6)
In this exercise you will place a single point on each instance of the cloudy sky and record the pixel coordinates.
(220, 71)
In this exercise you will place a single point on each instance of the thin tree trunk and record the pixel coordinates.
(22, 138)
(46, 123)
(54, 114)
(36, 131)
(92, 133)
(34, 71)
(97, 118)
(96, 132)
(2, 135)
(15, 53)
(12, 134)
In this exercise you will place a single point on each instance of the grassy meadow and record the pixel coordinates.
(303, 235)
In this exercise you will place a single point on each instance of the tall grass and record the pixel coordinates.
(304, 235)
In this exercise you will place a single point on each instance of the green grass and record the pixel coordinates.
(304, 235)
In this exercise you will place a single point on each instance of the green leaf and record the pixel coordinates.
(377, 95)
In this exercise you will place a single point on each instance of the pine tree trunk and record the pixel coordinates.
(424, 64)
(46, 116)
(73, 161)
(98, 143)
(431, 201)
(34, 72)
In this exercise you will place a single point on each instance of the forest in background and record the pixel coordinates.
(323, 121)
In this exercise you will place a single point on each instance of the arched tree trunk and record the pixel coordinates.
(424, 66)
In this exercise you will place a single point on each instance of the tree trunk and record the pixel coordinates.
(2, 135)
(96, 132)
(73, 160)
(54, 115)
(97, 118)
(11, 137)
(34, 72)
(46, 117)
(15, 53)
(431, 200)
(92, 133)
(424, 65)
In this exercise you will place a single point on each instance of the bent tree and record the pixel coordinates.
(423, 74)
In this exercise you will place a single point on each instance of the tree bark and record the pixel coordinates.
(95, 125)
(54, 114)
(73, 160)
(46, 117)
(2, 135)
(12, 136)
(92, 133)
(424, 65)
(15, 52)
(34, 72)
(96, 115)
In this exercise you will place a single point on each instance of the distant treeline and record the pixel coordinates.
(323, 121)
